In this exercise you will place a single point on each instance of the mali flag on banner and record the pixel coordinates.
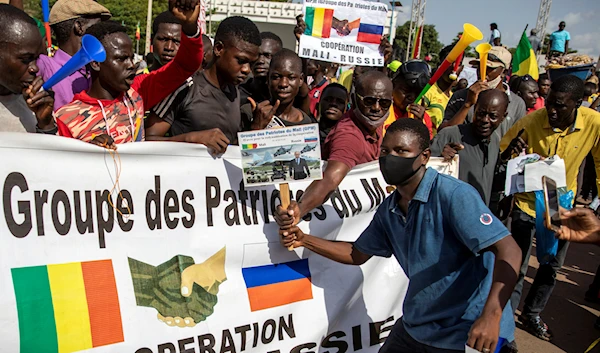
(524, 61)
(318, 22)
(68, 307)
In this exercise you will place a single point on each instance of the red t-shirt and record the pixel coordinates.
(315, 95)
(539, 103)
(351, 145)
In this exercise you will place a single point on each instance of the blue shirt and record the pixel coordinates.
(559, 39)
(438, 244)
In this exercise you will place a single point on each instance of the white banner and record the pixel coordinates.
(78, 274)
(343, 31)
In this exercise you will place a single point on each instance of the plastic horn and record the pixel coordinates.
(46, 16)
(91, 50)
(470, 35)
(483, 50)
(456, 65)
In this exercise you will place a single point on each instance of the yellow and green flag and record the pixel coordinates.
(524, 61)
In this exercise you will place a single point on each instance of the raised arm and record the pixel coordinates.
(157, 85)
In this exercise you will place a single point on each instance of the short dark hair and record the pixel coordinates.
(63, 30)
(413, 126)
(240, 28)
(544, 76)
(332, 86)
(287, 54)
(445, 51)
(206, 40)
(102, 29)
(589, 88)
(494, 25)
(9, 16)
(569, 84)
(272, 36)
(163, 17)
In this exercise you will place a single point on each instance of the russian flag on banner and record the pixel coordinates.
(369, 33)
(318, 22)
(310, 139)
(275, 276)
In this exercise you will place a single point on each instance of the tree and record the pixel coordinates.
(127, 12)
(429, 45)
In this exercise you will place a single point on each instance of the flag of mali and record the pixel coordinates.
(318, 22)
(68, 307)
(524, 61)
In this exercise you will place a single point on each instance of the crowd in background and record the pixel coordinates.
(196, 89)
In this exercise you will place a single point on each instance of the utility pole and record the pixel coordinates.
(542, 19)
(148, 27)
(417, 20)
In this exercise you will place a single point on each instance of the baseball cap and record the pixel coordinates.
(64, 10)
(497, 57)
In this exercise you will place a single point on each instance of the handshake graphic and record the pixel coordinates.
(184, 293)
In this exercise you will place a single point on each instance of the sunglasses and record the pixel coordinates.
(385, 103)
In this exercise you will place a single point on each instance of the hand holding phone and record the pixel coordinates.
(551, 216)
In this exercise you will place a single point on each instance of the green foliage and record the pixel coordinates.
(127, 12)
(431, 44)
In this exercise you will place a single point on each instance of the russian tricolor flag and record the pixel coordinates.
(275, 276)
(369, 33)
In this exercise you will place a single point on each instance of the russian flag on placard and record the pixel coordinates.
(369, 33)
(275, 276)
(310, 139)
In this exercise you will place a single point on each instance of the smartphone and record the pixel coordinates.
(552, 216)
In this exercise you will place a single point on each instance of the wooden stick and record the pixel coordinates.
(284, 194)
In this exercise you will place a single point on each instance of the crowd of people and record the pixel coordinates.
(451, 236)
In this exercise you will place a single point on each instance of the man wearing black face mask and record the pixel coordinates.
(565, 129)
(475, 142)
(445, 239)
(354, 140)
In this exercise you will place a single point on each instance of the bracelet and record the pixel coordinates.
(197, 32)
(52, 131)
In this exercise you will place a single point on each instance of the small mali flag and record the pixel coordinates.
(250, 146)
(68, 307)
(318, 22)
(137, 31)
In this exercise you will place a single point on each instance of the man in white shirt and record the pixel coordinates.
(495, 36)
(23, 108)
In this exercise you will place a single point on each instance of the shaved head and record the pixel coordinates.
(371, 79)
(15, 25)
(287, 54)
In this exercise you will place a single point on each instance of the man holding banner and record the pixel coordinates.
(461, 261)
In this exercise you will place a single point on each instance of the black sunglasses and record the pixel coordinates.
(385, 103)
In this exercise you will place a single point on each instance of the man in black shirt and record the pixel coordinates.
(209, 113)
(257, 87)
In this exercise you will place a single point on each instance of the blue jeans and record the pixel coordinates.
(523, 231)
(399, 341)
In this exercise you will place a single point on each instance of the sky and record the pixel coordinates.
(582, 18)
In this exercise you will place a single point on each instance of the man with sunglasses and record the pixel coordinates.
(409, 81)
(476, 143)
(355, 139)
(460, 107)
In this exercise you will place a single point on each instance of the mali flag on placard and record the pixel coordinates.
(68, 307)
(524, 61)
(318, 22)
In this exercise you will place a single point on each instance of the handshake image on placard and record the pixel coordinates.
(184, 293)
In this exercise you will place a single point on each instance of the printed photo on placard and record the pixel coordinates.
(276, 156)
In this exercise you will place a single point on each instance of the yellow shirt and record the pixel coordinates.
(346, 79)
(572, 145)
(436, 101)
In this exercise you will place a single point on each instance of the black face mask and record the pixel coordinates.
(397, 170)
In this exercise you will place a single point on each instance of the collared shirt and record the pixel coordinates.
(438, 244)
(65, 90)
(436, 101)
(516, 109)
(350, 144)
(478, 159)
(573, 144)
